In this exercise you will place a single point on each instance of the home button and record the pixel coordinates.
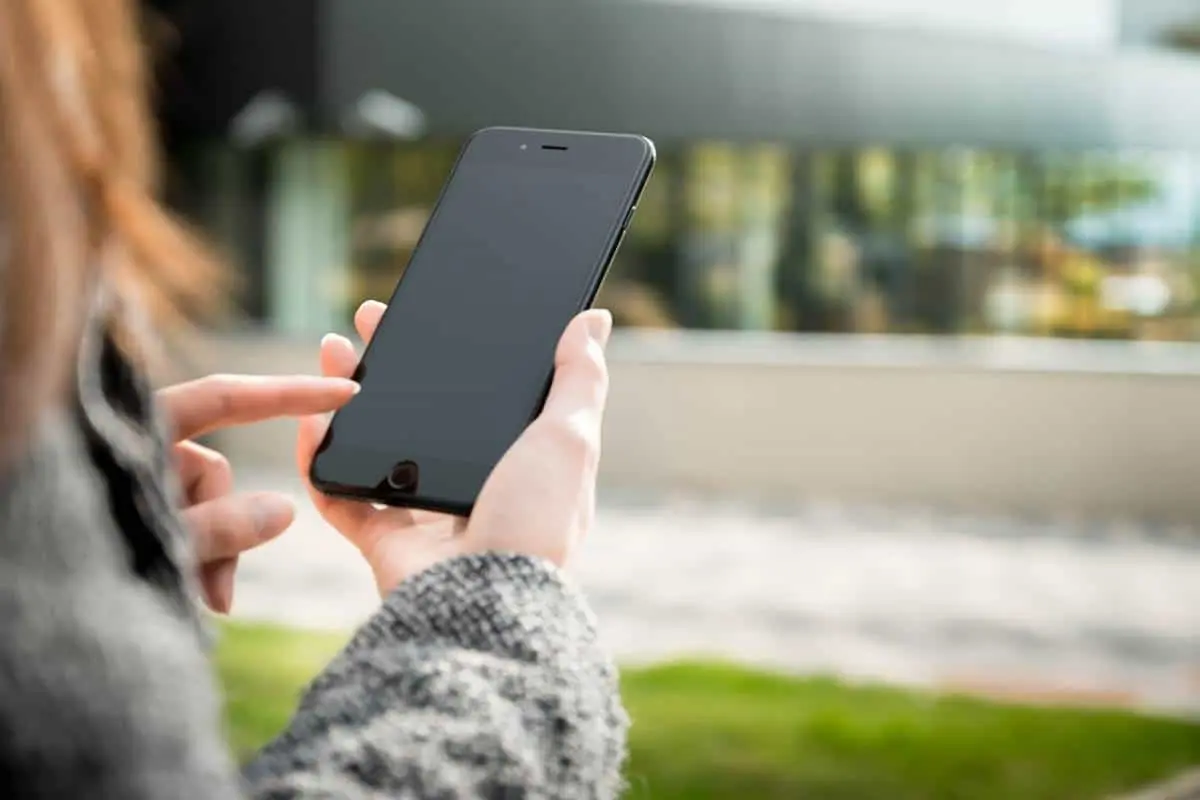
(403, 477)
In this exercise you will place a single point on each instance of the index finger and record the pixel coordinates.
(220, 401)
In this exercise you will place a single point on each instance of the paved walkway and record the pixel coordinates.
(1107, 614)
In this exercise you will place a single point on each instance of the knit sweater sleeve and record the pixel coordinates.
(479, 678)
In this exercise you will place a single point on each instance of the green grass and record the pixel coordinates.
(263, 669)
(715, 731)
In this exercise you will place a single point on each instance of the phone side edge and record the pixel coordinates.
(334, 488)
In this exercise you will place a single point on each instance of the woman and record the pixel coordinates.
(479, 676)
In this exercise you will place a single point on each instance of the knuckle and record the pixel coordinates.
(223, 521)
(225, 400)
(218, 466)
(219, 388)
(587, 377)
(594, 364)
(228, 525)
(577, 433)
(207, 466)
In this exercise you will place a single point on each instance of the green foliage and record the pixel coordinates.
(1090, 186)
(712, 731)
(263, 670)
(1049, 189)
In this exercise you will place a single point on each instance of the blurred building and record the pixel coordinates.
(866, 166)
(920, 167)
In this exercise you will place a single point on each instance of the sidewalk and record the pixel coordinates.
(1065, 612)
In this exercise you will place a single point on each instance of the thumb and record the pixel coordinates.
(580, 382)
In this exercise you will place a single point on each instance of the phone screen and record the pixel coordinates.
(460, 361)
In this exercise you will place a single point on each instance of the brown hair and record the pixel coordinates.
(78, 185)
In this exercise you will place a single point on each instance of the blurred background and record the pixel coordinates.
(907, 384)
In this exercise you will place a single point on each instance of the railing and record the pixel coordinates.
(1013, 426)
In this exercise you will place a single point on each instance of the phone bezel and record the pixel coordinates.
(506, 143)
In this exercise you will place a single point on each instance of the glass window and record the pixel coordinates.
(642, 286)
(392, 192)
(223, 191)
(760, 236)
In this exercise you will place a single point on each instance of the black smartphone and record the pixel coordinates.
(518, 243)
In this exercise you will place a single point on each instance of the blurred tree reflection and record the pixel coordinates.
(876, 240)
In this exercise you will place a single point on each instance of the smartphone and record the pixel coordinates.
(518, 243)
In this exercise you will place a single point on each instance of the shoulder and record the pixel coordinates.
(54, 507)
(103, 683)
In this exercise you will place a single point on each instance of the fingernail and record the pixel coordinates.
(348, 384)
(272, 513)
(600, 324)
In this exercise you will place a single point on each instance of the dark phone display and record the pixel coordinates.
(461, 358)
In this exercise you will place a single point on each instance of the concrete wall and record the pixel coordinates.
(1017, 426)
(698, 71)
(1146, 22)
(1078, 23)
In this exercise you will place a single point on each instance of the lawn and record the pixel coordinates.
(716, 731)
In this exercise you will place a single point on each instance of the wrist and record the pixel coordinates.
(394, 560)
(488, 602)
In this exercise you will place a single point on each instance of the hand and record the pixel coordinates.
(538, 501)
(224, 524)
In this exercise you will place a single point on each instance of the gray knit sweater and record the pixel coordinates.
(479, 678)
